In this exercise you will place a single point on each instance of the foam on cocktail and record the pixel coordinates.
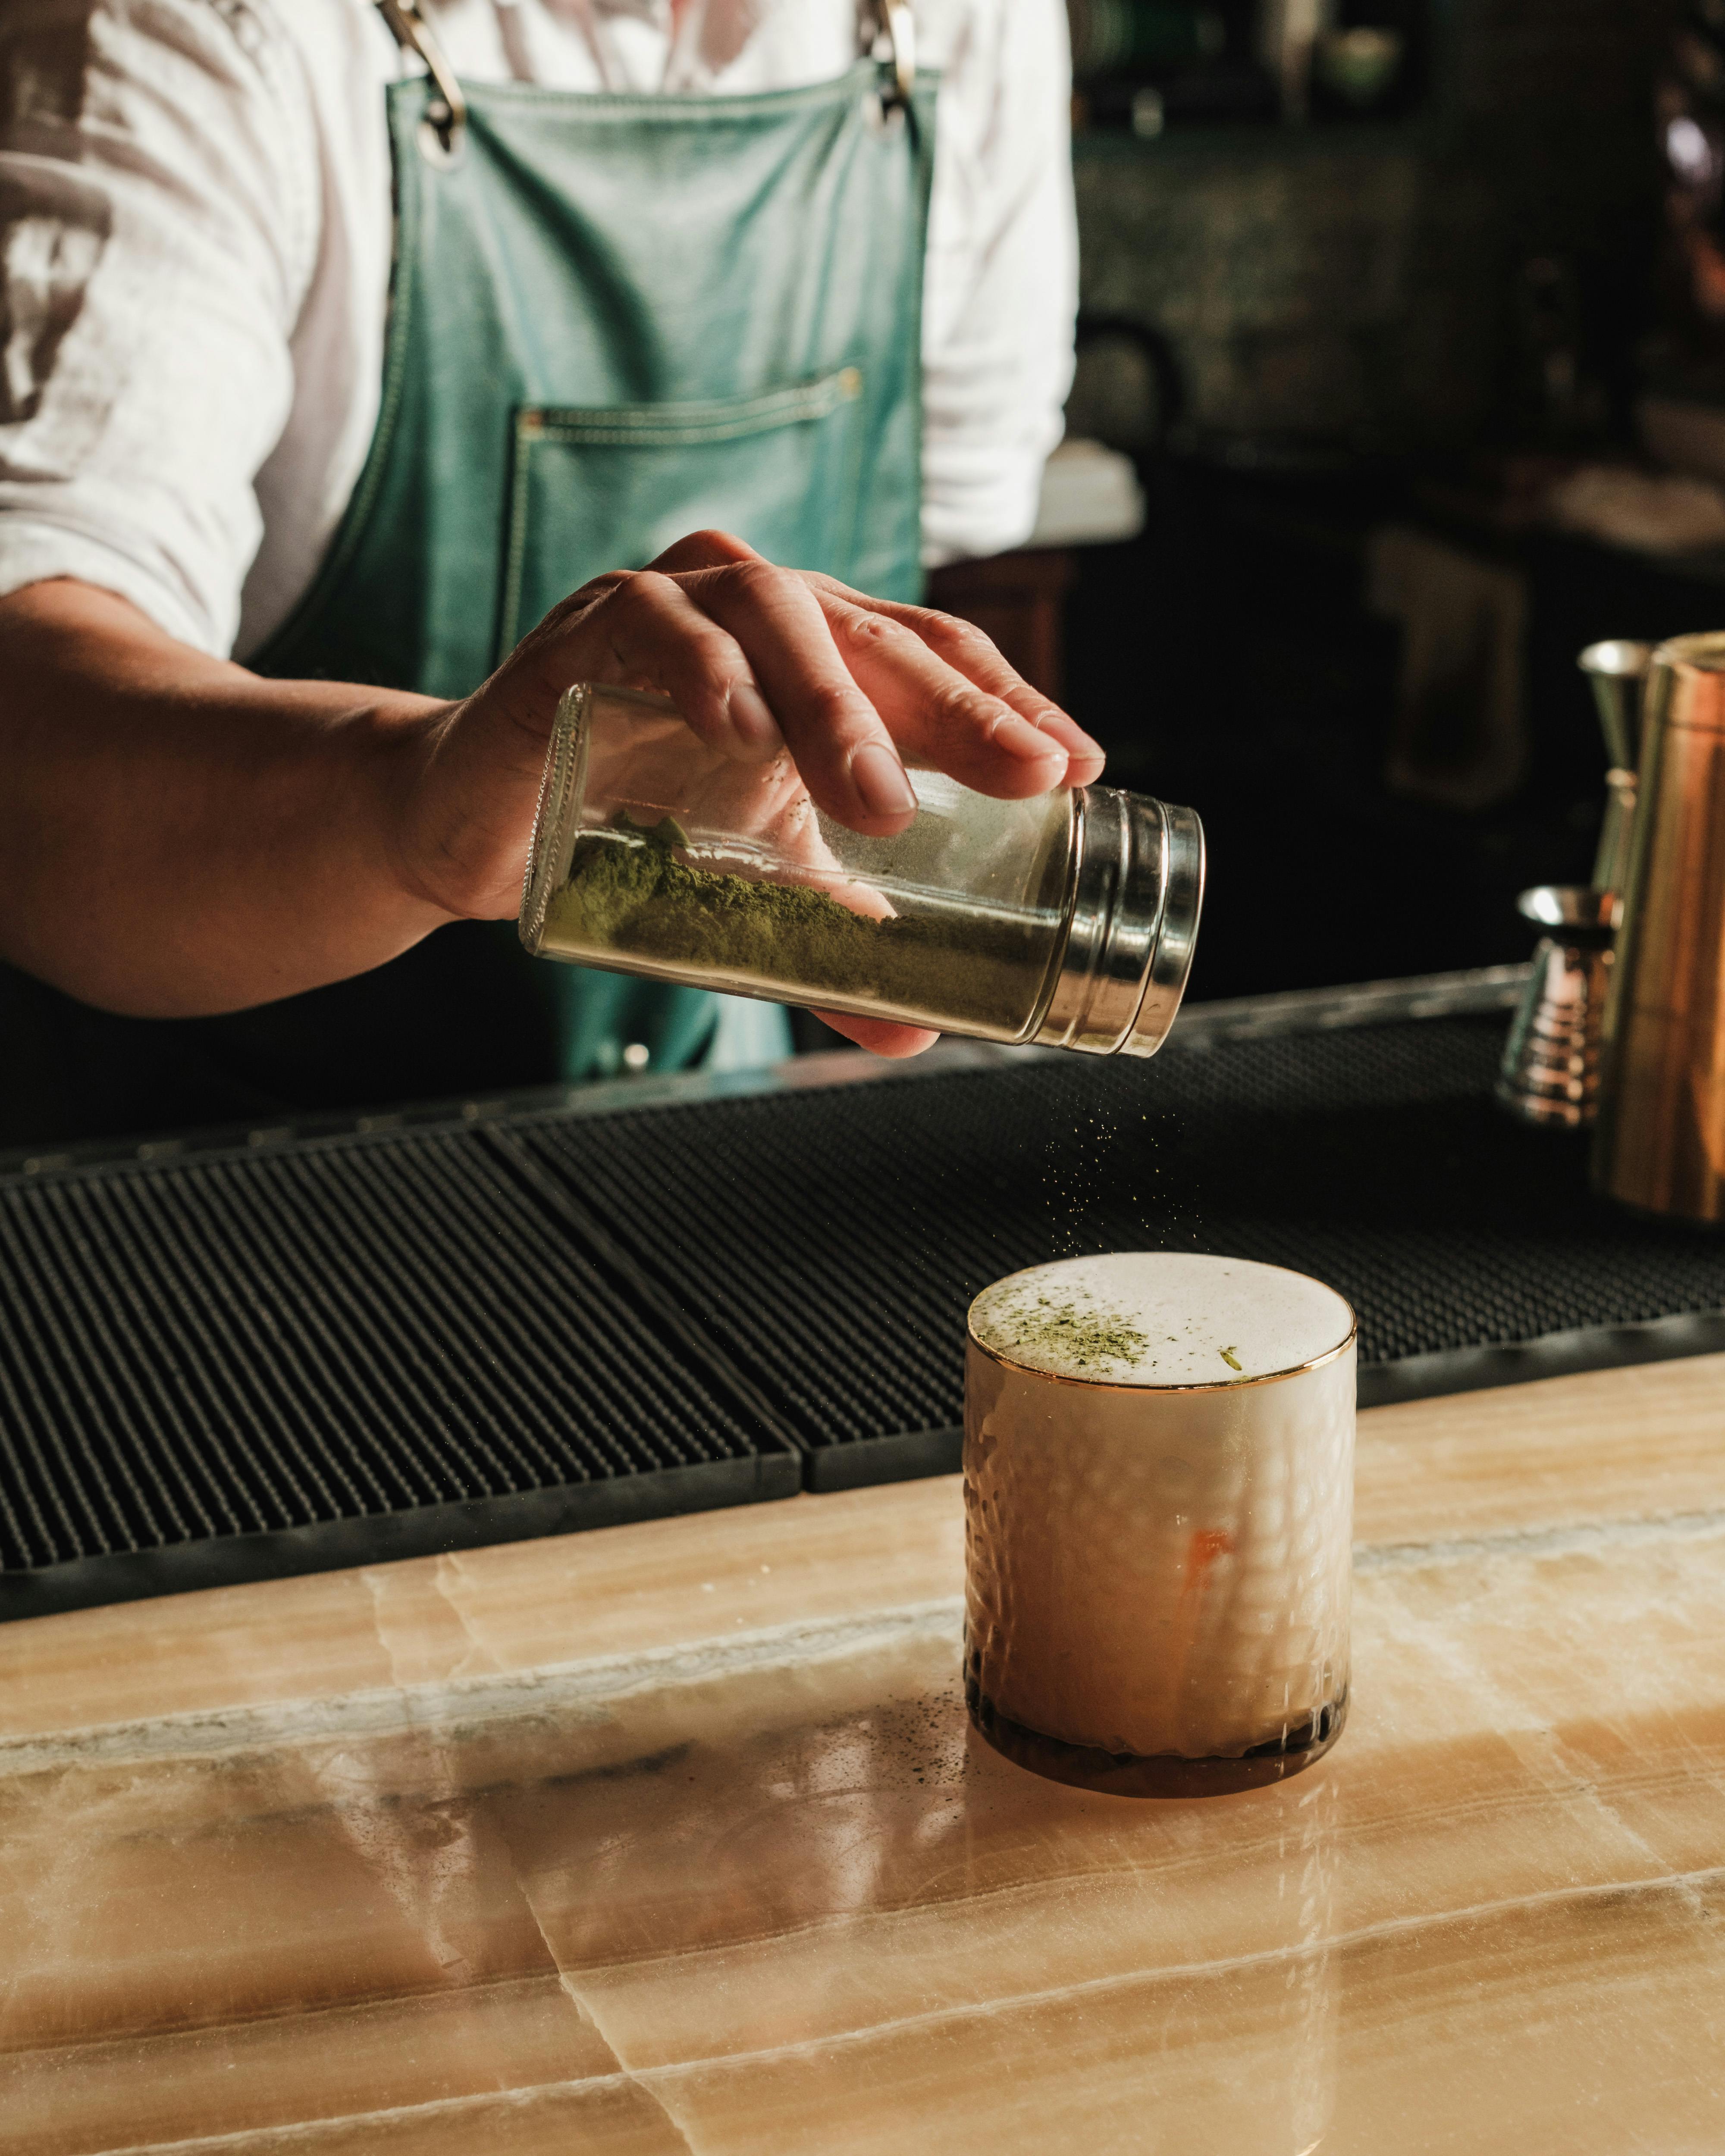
(1155, 1317)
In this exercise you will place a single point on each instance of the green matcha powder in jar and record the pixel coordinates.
(1067, 920)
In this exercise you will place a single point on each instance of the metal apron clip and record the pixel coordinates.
(899, 24)
(446, 115)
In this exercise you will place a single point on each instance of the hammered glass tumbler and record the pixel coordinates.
(1158, 1491)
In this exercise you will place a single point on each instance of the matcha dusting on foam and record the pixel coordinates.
(1078, 1332)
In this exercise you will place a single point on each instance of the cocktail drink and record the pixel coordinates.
(1159, 1488)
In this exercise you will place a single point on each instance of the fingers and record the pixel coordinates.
(643, 631)
(968, 651)
(759, 657)
(937, 714)
(880, 1036)
(951, 701)
(744, 651)
(840, 744)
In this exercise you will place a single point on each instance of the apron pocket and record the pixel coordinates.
(612, 486)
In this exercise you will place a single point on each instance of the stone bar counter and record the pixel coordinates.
(671, 1837)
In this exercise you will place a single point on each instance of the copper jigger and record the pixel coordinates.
(1661, 1140)
(1550, 1072)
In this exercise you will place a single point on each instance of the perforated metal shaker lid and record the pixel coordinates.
(1137, 891)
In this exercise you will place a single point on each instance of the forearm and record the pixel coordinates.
(179, 836)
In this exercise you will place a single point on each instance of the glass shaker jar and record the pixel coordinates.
(1067, 920)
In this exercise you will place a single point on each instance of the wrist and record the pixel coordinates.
(399, 741)
(456, 812)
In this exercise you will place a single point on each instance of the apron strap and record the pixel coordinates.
(446, 116)
(895, 19)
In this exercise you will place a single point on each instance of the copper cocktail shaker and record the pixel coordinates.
(1661, 1138)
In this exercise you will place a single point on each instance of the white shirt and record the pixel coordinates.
(195, 234)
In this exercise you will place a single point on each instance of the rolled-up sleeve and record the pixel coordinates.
(158, 224)
(1001, 290)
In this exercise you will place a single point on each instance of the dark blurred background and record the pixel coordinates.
(1405, 321)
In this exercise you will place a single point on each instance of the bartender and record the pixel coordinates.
(354, 361)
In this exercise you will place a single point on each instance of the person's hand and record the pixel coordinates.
(757, 659)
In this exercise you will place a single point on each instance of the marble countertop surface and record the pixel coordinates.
(671, 1839)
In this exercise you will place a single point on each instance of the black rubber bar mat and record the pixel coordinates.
(248, 1365)
(831, 1241)
(235, 1362)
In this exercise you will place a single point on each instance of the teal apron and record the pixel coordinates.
(613, 320)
